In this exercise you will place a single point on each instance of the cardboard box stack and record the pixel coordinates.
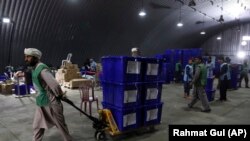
(69, 76)
(6, 88)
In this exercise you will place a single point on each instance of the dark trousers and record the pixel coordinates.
(245, 76)
(178, 77)
(223, 89)
(187, 88)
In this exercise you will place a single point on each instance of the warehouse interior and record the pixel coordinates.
(71, 34)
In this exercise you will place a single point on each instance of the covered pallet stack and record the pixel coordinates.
(69, 76)
(126, 81)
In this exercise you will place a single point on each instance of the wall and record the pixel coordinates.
(230, 43)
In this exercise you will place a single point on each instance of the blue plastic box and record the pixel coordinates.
(210, 94)
(151, 92)
(152, 114)
(165, 73)
(187, 54)
(22, 89)
(2, 77)
(196, 52)
(151, 69)
(169, 56)
(125, 118)
(121, 69)
(122, 94)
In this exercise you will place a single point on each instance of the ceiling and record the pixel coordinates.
(94, 28)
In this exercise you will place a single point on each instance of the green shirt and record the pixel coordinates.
(42, 99)
(200, 77)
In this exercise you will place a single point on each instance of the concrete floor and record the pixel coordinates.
(17, 115)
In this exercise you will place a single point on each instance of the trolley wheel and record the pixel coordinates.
(100, 135)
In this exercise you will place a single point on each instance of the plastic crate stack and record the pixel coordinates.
(124, 89)
(165, 75)
(172, 56)
(151, 91)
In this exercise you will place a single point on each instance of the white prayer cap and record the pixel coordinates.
(33, 52)
(134, 49)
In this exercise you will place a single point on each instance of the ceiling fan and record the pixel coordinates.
(199, 22)
(159, 6)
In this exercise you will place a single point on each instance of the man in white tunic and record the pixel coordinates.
(49, 111)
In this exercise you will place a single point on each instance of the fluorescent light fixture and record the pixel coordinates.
(244, 43)
(218, 38)
(203, 33)
(179, 24)
(241, 54)
(246, 38)
(142, 13)
(6, 20)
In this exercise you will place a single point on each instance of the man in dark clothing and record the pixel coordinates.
(188, 75)
(178, 71)
(224, 77)
(244, 74)
(28, 79)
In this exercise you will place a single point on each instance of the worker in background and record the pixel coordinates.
(178, 71)
(188, 76)
(210, 67)
(199, 81)
(229, 83)
(49, 111)
(9, 71)
(92, 65)
(28, 79)
(25, 71)
(224, 76)
(86, 65)
(135, 52)
(244, 73)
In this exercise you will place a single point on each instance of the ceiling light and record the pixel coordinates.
(191, 3)
(179, 24)
(221, 18)
(142, 13)
(241, 54)
(246, 38)
(235, 10)
(6, 20)
(218, 38)
(202, 32)
(244, 43)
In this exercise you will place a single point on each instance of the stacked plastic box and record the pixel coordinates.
(151, 91)
(172, 56)
(124, 88)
